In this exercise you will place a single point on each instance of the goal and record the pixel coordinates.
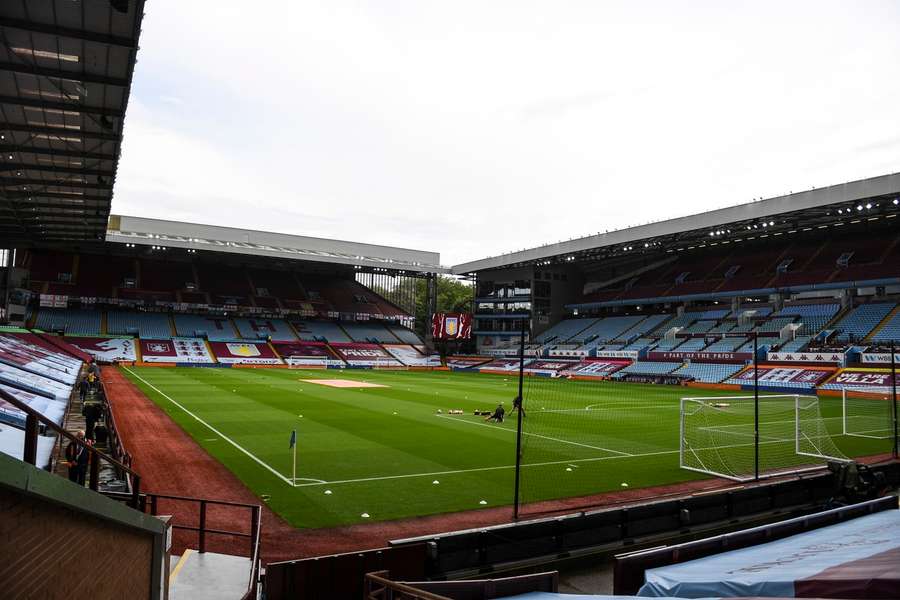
(388, 363)
(866, 414)
(719, 436)
(313, 362)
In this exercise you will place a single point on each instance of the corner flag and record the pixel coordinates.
(293, 446)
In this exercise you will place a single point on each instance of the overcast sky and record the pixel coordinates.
(477, 128)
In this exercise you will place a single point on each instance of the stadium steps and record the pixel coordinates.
(781, 257)
(882, 323)
(834, 320)
(208, 576)
(104, 322)
(172, 329)
(335, 352)
(341, 327)
(76, 263)
(210, 351)
(580, 331)
(272, 348)
(889, 250)
(812, 258)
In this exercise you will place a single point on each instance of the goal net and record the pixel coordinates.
(719, 436)
(313, 362)
(388, 363)
(867, 414)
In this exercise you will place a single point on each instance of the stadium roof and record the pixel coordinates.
(65, 76)
(812, 208)
(191, 236)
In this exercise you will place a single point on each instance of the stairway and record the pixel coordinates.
(882, 323)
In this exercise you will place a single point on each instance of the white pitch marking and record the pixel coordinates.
(213, 429)
(539, 464)
(546, 437)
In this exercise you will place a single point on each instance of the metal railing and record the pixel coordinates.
(33, 420)
(117, 447)
(149, 502)
(379, 587)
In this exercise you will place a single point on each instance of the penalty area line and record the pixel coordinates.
(287, 480)
(482, 469)
(546, 437)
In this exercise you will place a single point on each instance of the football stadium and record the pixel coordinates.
(697, 407)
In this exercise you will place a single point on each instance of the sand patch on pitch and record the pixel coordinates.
(344, 383)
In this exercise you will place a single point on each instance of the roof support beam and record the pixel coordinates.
(75, 34)
(37, 71)
(55, 169)
(16, 148)
(28, 197)
(60, 132)
(54, 105)
(17, 181)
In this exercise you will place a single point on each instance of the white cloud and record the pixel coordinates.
(475, 128)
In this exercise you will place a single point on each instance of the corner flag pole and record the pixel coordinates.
(294, 448)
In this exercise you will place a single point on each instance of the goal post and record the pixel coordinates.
(719, 436)
(313, 362)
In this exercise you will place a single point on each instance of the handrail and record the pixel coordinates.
(151, 500)
(113, 430)
(388, 587)
(29, 452)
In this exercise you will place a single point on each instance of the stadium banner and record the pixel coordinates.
(563, 352)
(317, 350)
(451, 326)
(808, 357)
(862, 378)
(38, 347)
(777, 375)
(702, 357)
(106, 349)
(411, 357)
(244, 353)
(365, 355)
(176, 350)
(53, 301)
(504, 365)
(466, 362)
(597, 368)
(36, 360)
(31, 382)
(55, 410)
(550, 367)
(632, 354)
(879, 358)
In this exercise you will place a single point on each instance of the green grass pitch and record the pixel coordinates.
(379, 451)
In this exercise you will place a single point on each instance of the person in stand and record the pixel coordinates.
(82, 389)
(77, 460)
(93, 411)
(497, 415)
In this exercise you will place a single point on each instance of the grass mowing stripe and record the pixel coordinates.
(546, 437)
(382, 448)
(211, 428)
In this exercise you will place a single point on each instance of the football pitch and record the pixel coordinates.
(371, 445)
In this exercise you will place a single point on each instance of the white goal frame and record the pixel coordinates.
(683, 447)
(392, 364)
(304, 362)
(888, 431)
